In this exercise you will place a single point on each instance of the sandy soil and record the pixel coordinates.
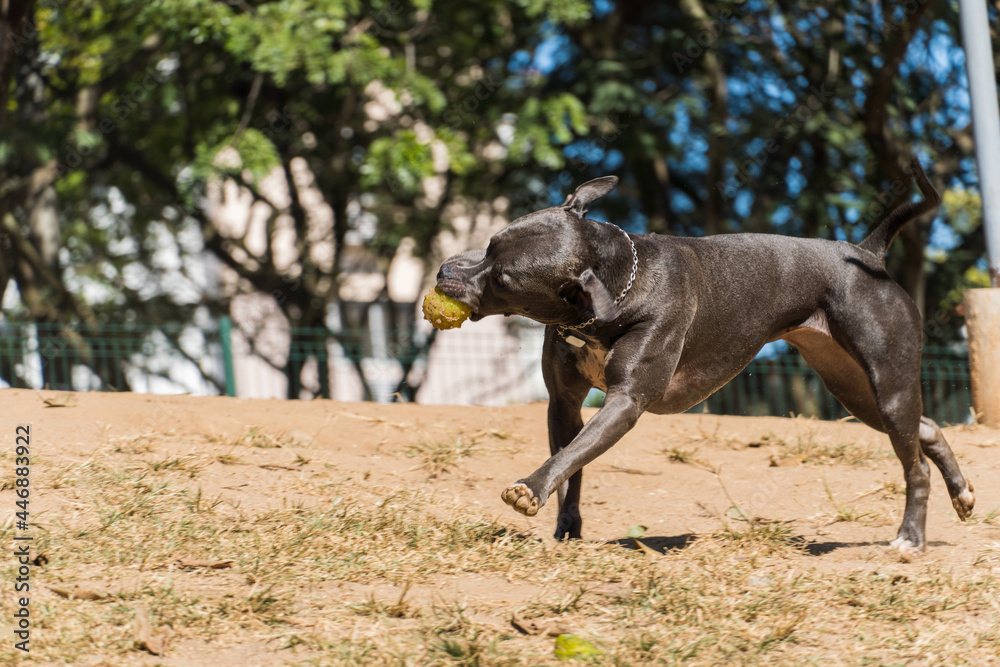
(660, 475)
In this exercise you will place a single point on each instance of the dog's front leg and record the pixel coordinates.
(637, 375)
(567, 389)
(619, 414)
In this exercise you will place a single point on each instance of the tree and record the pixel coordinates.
(124, 124)
(141, 100)
(781, 116)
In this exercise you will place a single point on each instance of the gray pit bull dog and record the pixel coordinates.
(660, 323)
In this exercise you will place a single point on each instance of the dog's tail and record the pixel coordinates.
(878, 241)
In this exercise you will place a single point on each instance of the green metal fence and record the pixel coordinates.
(785, 385)
(112, 357)
(201, 360)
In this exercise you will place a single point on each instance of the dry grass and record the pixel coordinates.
(303, 579)
(677, 455)
(715, 438)
(808, 448)
(987, 517)
(438, 457)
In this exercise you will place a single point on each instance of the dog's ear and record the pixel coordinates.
(590, 297)
(589, 192)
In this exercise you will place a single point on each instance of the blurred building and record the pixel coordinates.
(492, 362)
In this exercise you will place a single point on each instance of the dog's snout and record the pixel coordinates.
(445, 272)
(458, 277)
(450, 280)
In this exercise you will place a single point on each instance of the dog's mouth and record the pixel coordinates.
(456, 290)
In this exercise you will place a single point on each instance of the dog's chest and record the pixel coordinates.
(590, 361)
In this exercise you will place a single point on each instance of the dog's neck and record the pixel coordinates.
(615, 265)
(617, 260)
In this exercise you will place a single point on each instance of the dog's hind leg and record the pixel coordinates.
(881, 387)
(849, 383)
(890, 402)
(936, 448)
(893, 390)
(902, 425)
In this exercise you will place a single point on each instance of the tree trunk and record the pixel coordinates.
(718, 107)
(913, 274)
(15, 30)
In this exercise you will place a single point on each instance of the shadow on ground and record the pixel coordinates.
(662, 544)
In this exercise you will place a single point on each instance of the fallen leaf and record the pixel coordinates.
(80, 592)
(785, 463)
(195, 563)
(737, 514)
(536, 627)
(60, 401)
(569, 647)
(143, 632)
(636, 531)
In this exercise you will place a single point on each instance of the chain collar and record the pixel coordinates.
(564, 328)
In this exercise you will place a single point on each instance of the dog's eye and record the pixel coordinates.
(499, 280)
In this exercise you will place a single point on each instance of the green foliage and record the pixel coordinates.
(963, 209)
(252, 151)
(571, 12)
(403, 159)
(955, 270)
(719, 116)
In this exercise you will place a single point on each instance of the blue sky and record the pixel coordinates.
(933, 51)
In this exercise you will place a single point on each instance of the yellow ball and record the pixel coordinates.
(444, 312)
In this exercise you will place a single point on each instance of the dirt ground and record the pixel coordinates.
(219, 531)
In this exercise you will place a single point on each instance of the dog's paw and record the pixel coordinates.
(521, 498)
(907, 548)
(964, 502)
(568, 526)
